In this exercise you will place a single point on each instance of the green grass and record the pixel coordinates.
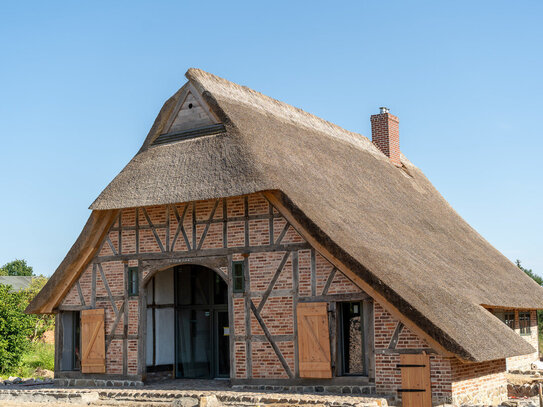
(39, 355)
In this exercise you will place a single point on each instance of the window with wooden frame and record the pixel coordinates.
(238, 277)
(509, 319)
(133, 281)
(524, 322)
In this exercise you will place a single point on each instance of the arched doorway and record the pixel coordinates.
(188, 334)
(202, 328)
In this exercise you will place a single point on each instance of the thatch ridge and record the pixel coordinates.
(223, 88)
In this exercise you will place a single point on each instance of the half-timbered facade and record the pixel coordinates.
(228, 248)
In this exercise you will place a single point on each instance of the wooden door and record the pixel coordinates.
(93, 345)
(416, 389)
(313, 340)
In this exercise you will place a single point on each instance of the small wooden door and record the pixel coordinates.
(416, 389)
(93, 345)
(314, 340)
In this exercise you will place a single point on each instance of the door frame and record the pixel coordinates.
(341, 340)
(213, 327)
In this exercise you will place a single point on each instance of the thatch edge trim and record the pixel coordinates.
(76, 261)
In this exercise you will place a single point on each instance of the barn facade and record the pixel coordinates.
(251, 241)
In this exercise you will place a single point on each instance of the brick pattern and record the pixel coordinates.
(452, 381)
(478, 383)
(385, 134)
(152, 230)
(156, 229)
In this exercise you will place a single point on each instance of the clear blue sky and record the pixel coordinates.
(82, 82)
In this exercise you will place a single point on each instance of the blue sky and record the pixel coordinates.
(82, 82)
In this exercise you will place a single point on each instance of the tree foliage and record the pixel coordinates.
(16, 268)
(15, 327)
(535, 277)
(41, 322)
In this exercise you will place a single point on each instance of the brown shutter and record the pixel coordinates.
(314, 340)
(93, 345)
(416, 389)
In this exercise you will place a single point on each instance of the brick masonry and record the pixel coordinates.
(385, 134)
(246, 226)
(452, 381)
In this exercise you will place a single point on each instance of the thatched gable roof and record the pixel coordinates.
(389, 224)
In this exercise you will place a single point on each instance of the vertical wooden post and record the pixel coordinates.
(224, 225)
(93, 286)
(249, 337)
(231, 319)
(246, 212)
(332, 326)
(125, 321)
(153, 319)
(194, 226)
(369, 351)
(313, 273)
(137, 230)
(295, 295)
(120, 235)
(142, 325)
(270, 222)
(58, 342)
(167, 228)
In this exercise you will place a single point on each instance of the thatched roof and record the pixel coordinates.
(389, 224)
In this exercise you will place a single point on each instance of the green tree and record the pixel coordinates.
(16, 268)
(15, 327)
(536, 278)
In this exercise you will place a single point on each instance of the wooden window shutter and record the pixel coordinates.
(93, 344)
(416, 386)
(314, 340)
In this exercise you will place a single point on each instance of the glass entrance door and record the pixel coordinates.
(202, 329)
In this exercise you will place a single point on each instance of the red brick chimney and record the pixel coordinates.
(385, 134)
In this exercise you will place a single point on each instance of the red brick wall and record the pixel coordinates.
(452, 380)
(387, 377)
(133, 234)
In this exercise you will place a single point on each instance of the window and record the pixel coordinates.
(133, 281)
(524, 322)
(509, 319)
(238, 279)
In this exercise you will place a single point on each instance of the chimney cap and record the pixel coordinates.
(384, 109)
